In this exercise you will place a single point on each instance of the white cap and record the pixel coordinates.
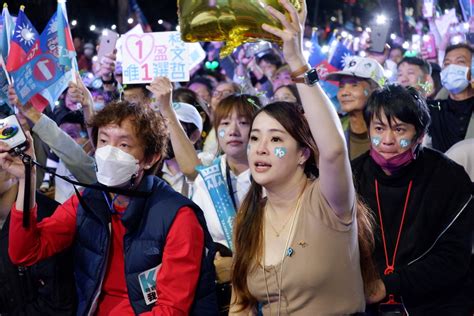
(188, 114)
(360, 67)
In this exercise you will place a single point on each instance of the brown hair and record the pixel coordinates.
(249, 220)
(245, 104)
(148, 125)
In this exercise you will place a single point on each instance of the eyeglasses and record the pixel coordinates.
(222, 93)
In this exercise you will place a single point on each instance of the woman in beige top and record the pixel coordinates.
(297, 249)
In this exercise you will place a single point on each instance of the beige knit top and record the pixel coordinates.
(322, 276)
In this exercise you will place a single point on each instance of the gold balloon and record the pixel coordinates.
(232, 21)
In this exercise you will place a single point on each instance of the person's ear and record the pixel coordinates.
(305, 154)
(150, 162)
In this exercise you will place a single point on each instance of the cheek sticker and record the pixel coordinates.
(221, 133)
(280, 152)
(366, 92)
(248, 149)
(375, 141)
(404, 143)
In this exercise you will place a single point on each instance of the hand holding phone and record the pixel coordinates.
(378, 37)
(107, 44)
(11, 133)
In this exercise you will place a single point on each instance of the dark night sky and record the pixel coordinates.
(103, 13)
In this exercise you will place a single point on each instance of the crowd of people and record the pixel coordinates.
(246, 192)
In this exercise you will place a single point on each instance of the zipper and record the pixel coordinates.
(97, 293)
(444, 231)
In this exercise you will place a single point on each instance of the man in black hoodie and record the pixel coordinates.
(423, 209)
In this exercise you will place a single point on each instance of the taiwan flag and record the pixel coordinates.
(31, 69)
(318, 60)
(56, 40)
(340, 53)
(24, 44)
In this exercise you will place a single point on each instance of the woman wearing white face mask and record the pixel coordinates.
(133, 254)
(451, 118)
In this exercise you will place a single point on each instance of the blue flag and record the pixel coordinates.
(339, 54)
(5, 36)
(56, 40)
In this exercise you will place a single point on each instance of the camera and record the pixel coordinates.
(12, 133)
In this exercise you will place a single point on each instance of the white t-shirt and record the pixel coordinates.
(201, 197)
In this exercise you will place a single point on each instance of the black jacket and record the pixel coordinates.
(432, 264)
(449, 121)
(46, 288)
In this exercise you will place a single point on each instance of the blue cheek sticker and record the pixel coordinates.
(404, 143)
(221, 133)
(280, 152)
(366, 92)
(248, 149)
(375, 141)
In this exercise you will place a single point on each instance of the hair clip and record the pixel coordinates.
(252, 101)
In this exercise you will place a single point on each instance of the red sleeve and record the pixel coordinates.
(44, 239)
(176, 281)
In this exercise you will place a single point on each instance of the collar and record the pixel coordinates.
(135, 208)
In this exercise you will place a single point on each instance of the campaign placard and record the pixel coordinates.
(149, 55)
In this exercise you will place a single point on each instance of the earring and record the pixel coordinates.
(147, 167)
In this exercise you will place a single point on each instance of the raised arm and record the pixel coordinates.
(81, 165)
(334, 166)
(185, 153)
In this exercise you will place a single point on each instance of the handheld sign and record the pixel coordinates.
(149, 55)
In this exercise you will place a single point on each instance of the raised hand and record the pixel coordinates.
(78, 93)
(162, 90)
(292, 32)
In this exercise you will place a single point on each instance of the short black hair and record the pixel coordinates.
(271, 58)
(202, 80)
(402, 103)
(396, 46)
(457, 46)
(141, 86)
(73, 117)
(417, 61)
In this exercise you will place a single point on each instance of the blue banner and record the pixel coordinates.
(217, 188)
(35, 76)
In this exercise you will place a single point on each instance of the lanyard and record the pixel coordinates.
(229, 185)
(111, 203)
(391, 267)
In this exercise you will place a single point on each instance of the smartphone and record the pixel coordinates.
(428, 8)
(416, 42)
(12, 133)
(379, 36)
(429, 45)
(107, 44)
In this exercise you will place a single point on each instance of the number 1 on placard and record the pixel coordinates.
(147, 76)
(139, 43)
(44, 69)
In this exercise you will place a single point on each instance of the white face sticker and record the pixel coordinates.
(280, 152)
(221, 133)
(404, 143)
(375, 141)
(366, 92)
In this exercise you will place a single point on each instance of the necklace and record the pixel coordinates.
(286, 252)
(277, 232)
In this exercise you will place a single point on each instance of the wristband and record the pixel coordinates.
(298, 72)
